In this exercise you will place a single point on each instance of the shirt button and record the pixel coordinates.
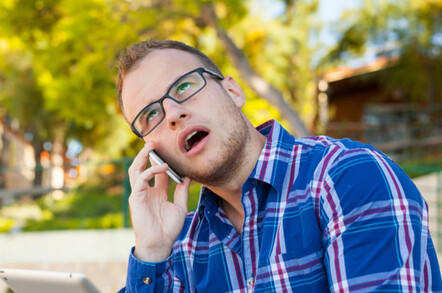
(147, 280)
(251, 281)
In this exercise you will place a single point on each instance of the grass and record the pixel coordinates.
(90, 206)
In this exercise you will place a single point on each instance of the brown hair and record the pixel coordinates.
(133, 55)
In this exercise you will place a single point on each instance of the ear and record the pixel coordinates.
(234, 90)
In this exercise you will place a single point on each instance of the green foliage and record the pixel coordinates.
(96, 204)
(194, 194)
(57, 59)
(83, 205)
(6, 224)
(65, 81)
(418, 169)
(109, 221)
(280, 49)
(87, 207)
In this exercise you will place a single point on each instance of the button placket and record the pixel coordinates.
(250, 231)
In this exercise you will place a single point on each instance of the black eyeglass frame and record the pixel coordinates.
(200, 71)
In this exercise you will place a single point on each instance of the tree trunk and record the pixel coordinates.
(258, 84)
(38, 178)
(57, 171)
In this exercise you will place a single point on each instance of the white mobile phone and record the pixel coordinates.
(172, 174)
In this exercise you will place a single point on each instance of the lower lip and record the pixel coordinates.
(198, 147)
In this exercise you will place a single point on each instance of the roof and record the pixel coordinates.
(345, 72)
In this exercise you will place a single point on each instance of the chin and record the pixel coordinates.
(224, 167)
(220, 162)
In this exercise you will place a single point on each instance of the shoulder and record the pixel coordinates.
(328, 153)
(352, 175)
(322, 144)
(318, 156)
(339, 169)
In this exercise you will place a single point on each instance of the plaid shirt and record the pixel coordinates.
(320, 215)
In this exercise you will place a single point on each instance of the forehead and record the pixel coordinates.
(165, 60)
(151, 78)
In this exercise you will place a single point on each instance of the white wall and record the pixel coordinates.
(99, 254)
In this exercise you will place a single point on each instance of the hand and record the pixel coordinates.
(156, 221)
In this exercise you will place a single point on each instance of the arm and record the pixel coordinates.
(375, 225)
(156, 223)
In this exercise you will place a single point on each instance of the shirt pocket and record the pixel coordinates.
(292, 272)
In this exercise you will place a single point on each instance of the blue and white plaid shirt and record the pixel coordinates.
(320, 215)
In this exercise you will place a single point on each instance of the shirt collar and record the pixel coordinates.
(278, 145)
(272, 163)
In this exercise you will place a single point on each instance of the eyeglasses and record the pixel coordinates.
(180, 91)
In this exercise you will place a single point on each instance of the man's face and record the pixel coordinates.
(202, 138)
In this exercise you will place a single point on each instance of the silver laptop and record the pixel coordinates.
(30, 281)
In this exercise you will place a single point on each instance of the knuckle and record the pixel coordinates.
(131, 168)
(146, 175)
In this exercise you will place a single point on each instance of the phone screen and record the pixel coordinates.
(172, 174)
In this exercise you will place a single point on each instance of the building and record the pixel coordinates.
(359, 104)
(17, 159)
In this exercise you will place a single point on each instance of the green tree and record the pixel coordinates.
(57, 65)
(57, 71)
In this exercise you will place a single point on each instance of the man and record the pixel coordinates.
(276, 213)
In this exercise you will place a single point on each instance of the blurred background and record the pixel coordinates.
(368, 70)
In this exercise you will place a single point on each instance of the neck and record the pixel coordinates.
(230, 191)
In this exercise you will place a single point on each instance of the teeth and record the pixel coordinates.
(186, 144)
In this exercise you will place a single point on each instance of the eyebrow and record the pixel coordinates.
(181, 76)
(169, 86)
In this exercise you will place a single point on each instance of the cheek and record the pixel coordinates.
(216, 105)
(166, 146)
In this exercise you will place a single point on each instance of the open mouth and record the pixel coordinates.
(193, 139)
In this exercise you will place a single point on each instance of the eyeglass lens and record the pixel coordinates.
(183, 89)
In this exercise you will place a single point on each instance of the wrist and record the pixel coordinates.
(152, 254)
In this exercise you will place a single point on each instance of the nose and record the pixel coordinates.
(174, 113)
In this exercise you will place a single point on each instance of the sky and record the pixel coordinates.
(329, 12)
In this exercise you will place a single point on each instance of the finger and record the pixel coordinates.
(181, 194)
(142, 181)
(139, 163)
(161, 180)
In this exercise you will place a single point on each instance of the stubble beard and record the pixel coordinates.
(231, 155)
(230, 159)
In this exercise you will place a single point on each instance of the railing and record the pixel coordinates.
(403, 132)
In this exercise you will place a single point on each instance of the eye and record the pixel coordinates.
(182, 88)
(151, 115)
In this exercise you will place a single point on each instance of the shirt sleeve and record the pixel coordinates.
(148, 277)
(375, 225)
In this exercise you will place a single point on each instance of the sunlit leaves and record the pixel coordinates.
(57, 58)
